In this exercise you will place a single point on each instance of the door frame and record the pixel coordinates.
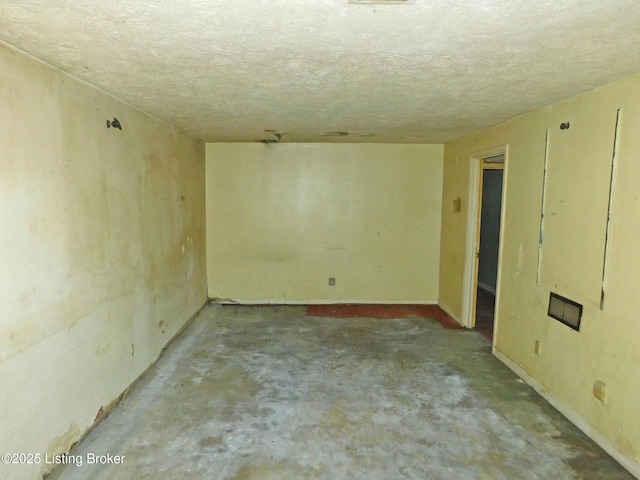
(472, 241)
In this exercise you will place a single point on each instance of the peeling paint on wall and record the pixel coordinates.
(101, 243)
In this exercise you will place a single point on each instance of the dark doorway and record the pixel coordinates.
(491, 208)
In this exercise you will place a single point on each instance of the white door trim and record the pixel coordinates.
(473, 217)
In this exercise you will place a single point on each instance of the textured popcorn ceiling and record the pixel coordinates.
(228, 70)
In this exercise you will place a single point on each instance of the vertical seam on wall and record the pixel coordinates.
(544, 196)
(609, 206)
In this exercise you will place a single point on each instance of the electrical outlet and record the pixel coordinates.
(600, 390)
(332, 282)
(536, 348)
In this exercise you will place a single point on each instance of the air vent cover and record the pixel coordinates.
(565, 310)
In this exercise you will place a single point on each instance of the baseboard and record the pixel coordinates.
(321, 301)
(572, 416)
(449, 312)
(486, 287)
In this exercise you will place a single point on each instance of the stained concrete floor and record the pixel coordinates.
(270, 393)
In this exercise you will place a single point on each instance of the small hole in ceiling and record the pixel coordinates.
(335, 134)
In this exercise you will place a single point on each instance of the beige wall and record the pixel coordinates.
(102, 252)
(282, 219)
(607, 348)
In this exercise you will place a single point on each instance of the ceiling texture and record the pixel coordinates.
(330, 71)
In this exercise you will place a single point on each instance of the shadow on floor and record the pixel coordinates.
(485, 312)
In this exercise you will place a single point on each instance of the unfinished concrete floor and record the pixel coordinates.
(270, 393)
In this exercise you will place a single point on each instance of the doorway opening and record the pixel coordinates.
(488, 244)
(484, 233)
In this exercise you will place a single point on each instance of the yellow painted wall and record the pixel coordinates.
(607, 347)
(102, 252)
(283, 218)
